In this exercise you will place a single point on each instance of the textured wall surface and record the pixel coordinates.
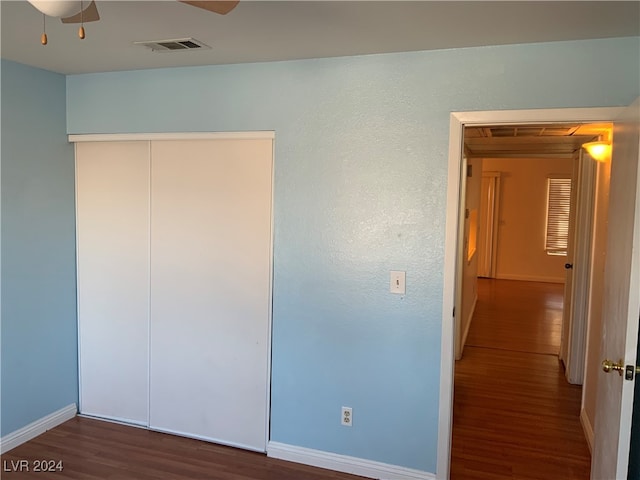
(39, 336)
(360, 189)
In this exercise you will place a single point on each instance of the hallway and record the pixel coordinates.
(515, 415)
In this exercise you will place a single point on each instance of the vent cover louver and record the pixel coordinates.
(174, 44)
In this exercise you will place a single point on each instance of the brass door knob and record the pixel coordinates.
(608, 365)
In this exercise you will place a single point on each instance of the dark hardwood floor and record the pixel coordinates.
(92, 449)
(515, 415)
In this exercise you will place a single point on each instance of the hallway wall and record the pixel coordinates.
(522, 218)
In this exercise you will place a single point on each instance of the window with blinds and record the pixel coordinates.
(558, 207)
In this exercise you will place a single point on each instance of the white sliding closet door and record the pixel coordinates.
(112, 189)
(210, 289)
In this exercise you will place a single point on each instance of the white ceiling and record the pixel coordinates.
(258, 31)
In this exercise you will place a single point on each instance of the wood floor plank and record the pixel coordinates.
(515, 415)
(517, 315)
(97, 450)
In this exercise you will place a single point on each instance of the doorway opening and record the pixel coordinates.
(458, 238)
(523, 181)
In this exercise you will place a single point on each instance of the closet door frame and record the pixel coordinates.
(148, 137)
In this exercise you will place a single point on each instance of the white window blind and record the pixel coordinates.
(558, 208)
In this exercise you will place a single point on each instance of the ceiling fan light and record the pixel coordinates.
(57, 8)
(600, 151)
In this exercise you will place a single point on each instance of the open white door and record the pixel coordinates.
(621, 302)
(567, 310)
(577, 291)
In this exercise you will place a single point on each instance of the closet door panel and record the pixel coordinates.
(210, 289)
(112, 188)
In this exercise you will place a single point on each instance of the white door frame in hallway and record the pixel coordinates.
(458, 120)
(488, 235)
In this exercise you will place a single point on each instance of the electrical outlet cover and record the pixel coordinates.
(347, 416)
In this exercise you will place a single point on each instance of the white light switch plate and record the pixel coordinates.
(397, 282)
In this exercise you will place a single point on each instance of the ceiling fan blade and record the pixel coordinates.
(89, 14)
(222, 7)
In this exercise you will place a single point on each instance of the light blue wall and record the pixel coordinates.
(39, 346)
(360, 187)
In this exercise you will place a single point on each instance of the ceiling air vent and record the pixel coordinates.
(174, 45)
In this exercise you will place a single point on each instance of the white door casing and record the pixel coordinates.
(458, 120)
(581, 244)
(487, 238)
(621, 302)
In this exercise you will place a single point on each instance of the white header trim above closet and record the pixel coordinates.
(130, 137)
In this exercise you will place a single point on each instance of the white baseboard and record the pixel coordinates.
(344, 463)
(530, 278)
(587, 427)
(24, 434)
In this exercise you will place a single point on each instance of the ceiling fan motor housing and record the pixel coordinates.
(58, 9)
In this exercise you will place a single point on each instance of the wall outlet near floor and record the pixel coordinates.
(347, 416)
